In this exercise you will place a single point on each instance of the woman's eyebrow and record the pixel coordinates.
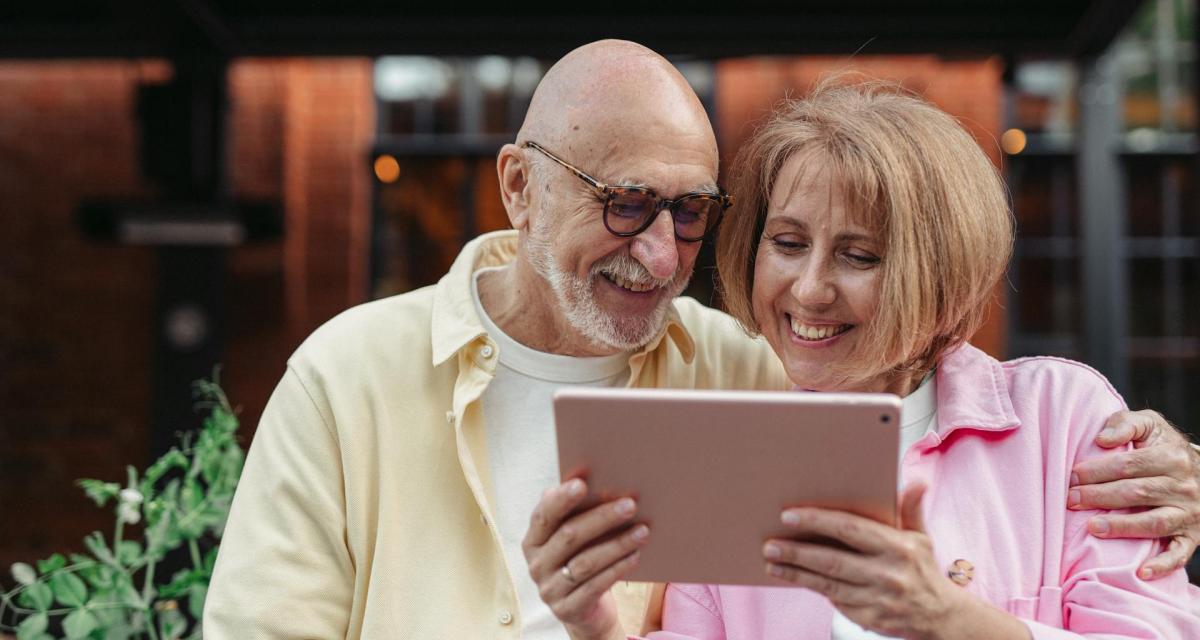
(803, 226)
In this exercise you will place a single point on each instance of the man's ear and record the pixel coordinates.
(515, 188)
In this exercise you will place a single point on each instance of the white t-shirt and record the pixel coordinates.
(918, 416)
(522, 449)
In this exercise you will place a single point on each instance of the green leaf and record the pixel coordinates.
(118, 632)
(95, 543)
(210, 560)
(196, 600)
(79, 623)
(53, 563)
(33, 626)
(36, 596)
(178, 585)
(128, 594)
(96, 574)
(23, 573)
(129, 552)
(69, 589)
(99, 491)
(173, 459)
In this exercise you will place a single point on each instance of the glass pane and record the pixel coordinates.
(1048, 292)
(1044, 98)
(1146, 297)
(1045, 198)
(427, 214)
(1148, 381)
(1190, 299)
(1145, 184)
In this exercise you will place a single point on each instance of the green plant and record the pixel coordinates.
(112, 592)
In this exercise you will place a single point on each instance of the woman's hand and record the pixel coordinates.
(887, 579)
(1162, 473)
(576, 559)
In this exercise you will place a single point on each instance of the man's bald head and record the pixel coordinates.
(623, 114)
(613, 91)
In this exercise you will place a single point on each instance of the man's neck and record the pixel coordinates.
(522, 304)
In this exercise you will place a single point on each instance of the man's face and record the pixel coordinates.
(614, 291)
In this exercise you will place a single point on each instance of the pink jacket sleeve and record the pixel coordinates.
(1100, 593)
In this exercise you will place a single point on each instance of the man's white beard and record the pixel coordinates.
(577, 299)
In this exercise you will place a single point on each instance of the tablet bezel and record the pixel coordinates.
(706, 467)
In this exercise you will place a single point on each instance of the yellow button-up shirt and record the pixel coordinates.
(365, 507)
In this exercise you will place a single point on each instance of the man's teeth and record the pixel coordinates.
(636, 287)
(809, 332)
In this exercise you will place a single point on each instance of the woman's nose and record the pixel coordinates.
(814, 285)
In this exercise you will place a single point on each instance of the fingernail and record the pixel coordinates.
(1107, 432)
(575, 488)
(1098, 526)
(640, 532)
(1145, 573)
(1074, 479)
(772, 551)
(625, 507)
(1073, 498)
(790, 518)
(775, 570)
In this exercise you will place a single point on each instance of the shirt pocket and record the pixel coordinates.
(1045, 608)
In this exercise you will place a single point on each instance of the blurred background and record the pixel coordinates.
(192, 182)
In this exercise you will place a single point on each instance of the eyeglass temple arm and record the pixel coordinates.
(596, 184)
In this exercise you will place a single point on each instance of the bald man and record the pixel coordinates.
(393, 474)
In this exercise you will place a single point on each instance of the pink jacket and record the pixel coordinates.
(998, 470)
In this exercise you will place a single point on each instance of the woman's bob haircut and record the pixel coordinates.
(912, 175)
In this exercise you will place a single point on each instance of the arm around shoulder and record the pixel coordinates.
(283, 570)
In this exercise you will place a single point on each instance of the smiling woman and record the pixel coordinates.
(868, 234)
(823, 189)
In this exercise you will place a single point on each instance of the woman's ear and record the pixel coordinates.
(513, 172)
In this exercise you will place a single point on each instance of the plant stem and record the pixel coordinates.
(151, 619)
(148, 584)
(117, 533)
(195, 549)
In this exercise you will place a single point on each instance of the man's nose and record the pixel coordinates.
(813, 286)
(655, 247)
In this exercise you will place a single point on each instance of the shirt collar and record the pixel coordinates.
(972, 393)
(455, 323)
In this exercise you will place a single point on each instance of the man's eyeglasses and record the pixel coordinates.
(629, 211)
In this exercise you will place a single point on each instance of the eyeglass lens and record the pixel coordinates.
(630, 210)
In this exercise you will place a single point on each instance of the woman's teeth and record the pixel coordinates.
(629, 285)
(808, 332)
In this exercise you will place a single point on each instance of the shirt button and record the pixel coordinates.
(505, 617)
(449, 417)
(487, 351)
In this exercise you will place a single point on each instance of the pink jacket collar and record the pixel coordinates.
(972, 393)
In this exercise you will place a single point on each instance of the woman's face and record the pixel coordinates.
(816, 278)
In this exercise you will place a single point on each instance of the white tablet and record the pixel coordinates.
(713, 470)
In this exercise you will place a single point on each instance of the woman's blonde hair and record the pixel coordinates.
(911, 174)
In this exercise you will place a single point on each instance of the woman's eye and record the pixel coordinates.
(787, 244)
(863, 259)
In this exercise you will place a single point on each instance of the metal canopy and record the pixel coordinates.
(167, 28)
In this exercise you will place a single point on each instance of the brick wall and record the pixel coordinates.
(76, 317)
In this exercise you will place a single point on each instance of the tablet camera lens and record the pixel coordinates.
(885, 418)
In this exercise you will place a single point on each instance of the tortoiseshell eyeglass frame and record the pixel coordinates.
(609, 192)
